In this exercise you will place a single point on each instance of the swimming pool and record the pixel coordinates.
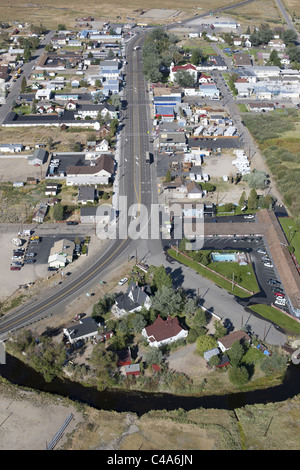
(231, 257)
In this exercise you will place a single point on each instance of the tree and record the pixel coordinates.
(220, 329)
(197, 56)
(167, 301)
(184, 78)
(253, 200)
(273, 365)
(200, 319)
(23, 84)
(162, 278)
(153, 356)
(190, 307)
(238, 375)
(58, 212)
(236, 353)
(27, 55)
(206, 342)
(243, 199)
(61, 27)
(274, 59)
(115, 101)
(168, 177)
(138, 322)
(289, 36)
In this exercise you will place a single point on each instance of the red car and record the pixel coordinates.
(279, 294)
(15, 268)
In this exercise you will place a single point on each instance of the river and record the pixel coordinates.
(16, 372)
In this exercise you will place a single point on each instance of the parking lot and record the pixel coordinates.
(37, 272)
(263, 273)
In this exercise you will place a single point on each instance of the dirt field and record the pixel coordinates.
(18, 169)
(28, 423)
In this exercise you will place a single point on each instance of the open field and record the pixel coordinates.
(51, 14)
(292, 6)
(259, 11)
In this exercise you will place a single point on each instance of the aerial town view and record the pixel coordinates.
(150, 227)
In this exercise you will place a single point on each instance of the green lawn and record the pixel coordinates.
(248, 281)
(292, 234)
(283, 321)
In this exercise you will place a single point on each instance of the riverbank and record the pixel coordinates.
(256, 427)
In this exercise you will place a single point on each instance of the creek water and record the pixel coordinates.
(16, 372)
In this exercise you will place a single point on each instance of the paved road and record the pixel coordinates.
(27, 70)
(287, 18)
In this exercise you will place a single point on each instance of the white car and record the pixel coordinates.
(280, 302)
(250, 216)
(268, 265)
(123, 281)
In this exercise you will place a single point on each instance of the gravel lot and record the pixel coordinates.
(18, 169)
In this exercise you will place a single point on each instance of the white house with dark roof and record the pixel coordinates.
(97, 172)
(85, 329)
(135, 298)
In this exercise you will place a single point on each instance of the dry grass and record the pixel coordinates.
(52, 13)
(292, 6)
(258, 11)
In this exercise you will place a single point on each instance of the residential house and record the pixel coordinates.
(88, 215)
(51, 189)
(86, 328)
(194, 191)
(133, 300)
(44, 94)
(209, 91)
(11, 148)
(61, 253)
(227, 341)
(102, 146)
(99, 171)
(132, 369)
(40, 213)
(38, 158)
(163, 332)
(191, 69)
(86, 194)
(242, 59)
(277, 44)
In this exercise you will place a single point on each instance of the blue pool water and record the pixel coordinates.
(224, 257)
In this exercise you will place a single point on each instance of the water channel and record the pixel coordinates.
(16, 372)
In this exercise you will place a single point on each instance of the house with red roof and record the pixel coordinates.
(191, 69)
(163, 332)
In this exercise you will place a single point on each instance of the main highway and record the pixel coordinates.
(135, 180)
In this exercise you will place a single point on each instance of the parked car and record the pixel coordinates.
(280, 302)
(268, 265)
(123, 281)
(29, 261)
(72, 222)
(52, 268)
(16, 257)
(261, 251)
(274, 282)
(15, 268)
(279, 294)
(249, 216)
(30, 255)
